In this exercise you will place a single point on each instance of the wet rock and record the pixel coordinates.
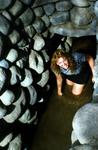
(7, 97)
(1, 44)
(25, 117)
(43, 2)
(28, 79)
(71, 30)
(44, 78)
(63, 6)
(39, 25)
(14, 37)
(59, 18)
(2, 112)
(39, 42)
(27, 2)
(6, 140)
(5, 3)
(45, 55)
(45, 34)
(95, 93)
(13, 115)
(49, 9)
(4, 63)
(36, 62)
(46, 20)
(12, 55)
(96, 8)
(7, 15)
(33, 94)
(2, 77)
(85, 124)
(81, 16)
(15, 143)
(15, 75)
(82, 3)
(95, 77)
(97, 34)
(22, 43)
(16, 9)
(4, 25)
(27, 17)
(30, 31)
(84, 147)
(38, 11)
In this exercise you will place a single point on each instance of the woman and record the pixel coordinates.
(75, 67)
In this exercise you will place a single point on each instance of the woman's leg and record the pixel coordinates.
(69, 82)
(59, 84)
(77, 88)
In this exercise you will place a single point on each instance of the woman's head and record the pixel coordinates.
(62, 62)
(62, 59)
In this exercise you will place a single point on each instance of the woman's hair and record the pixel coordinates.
(61, 53)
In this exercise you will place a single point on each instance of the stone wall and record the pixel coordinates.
(25, 28)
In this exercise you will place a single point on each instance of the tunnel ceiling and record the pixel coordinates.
(71, 18)
(67, 18)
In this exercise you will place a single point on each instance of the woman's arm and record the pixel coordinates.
(59, 84)
(91, 62)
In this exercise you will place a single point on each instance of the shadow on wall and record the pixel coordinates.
(86, 44)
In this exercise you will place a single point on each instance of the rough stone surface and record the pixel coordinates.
(82, 3)
(39, 11)
(16, 9)
(4, 25)
(71, 30)
(39, 42)
(85, 124)
(49, 9)
(84, 147)
(27, 17)
(59, 18)
(63, 6)
(5, 3)
(81, 16)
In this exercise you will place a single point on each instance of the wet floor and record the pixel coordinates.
(54, 129)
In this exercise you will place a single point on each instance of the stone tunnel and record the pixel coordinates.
(30, 31)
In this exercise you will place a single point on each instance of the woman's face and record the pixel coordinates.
(62, 62)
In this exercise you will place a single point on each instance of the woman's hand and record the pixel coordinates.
(91, 62)
(60, 93)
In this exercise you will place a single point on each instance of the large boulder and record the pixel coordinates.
(85, 124)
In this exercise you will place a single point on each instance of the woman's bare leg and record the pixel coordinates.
(77, 88)
(69, 82)
(59, 84)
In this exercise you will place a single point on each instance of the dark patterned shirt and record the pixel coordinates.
(79, 58)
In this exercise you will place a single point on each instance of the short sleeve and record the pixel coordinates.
(79, 57)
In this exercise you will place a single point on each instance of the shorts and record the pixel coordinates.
(82, 77)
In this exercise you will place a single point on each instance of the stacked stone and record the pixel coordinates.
(85, 128)
(24, 72)
(73, 18)
(95, 93)
(84, 134)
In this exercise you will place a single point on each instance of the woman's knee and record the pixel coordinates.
(69, 82)
(76, 92)
(77, 89)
